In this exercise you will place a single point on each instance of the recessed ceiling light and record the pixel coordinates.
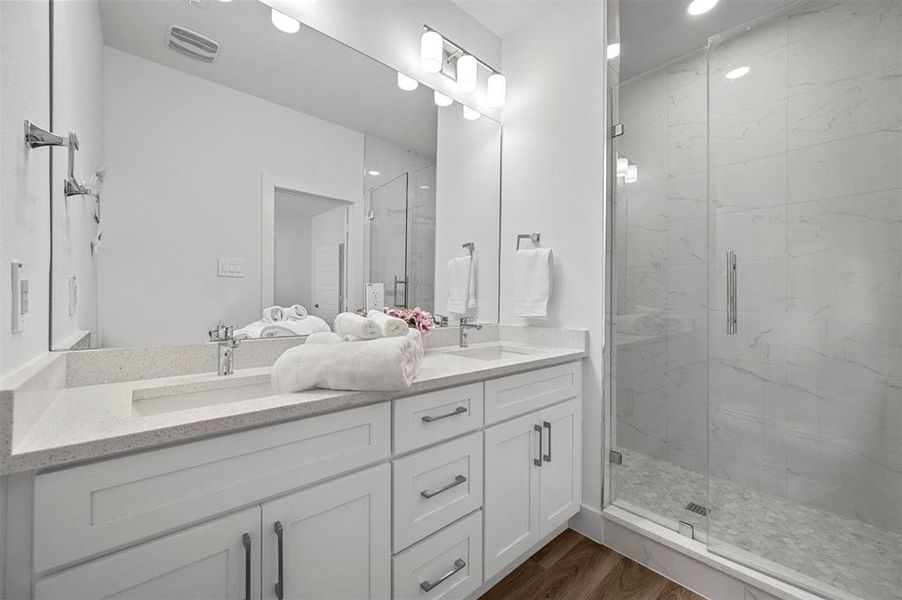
(700, 7)
(373, 173)
(408, 84)
(424, 187)
(738, 72)
(613, 50)
(285, 23)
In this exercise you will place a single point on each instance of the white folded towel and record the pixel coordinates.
(534, 277)
(383, 364)
(251, 330)
(273, 314)
(390, 326)
(323, 337)
(293, 327)
(295, 311)
(461, 285)
(352, 326)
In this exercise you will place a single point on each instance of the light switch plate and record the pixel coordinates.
(231, 267)
(19, 281)
(374, 296)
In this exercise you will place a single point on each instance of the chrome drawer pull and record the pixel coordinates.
(246, 542)
(280, 584)
(457, 411)
(428, 585)
(457, 481)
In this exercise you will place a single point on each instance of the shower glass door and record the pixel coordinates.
(805, 295)
(388, 239)
(659, 320)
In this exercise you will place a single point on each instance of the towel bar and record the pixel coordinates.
(533, 237)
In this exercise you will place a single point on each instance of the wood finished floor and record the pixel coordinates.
(573, 567)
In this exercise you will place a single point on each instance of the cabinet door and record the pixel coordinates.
(336, 539)
(208, 562)
(561, 472)
(511, 491)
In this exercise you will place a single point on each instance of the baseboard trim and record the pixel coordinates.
(589, 521)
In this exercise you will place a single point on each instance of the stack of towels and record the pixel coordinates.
(372, 353)
(277, 321)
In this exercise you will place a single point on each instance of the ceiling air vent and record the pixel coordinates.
(190, 43)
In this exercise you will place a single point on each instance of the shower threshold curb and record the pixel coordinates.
(699, 552)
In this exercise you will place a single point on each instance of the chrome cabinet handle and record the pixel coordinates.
(538, 461)
(457, 481)
(428, 585)
(457, 411)
(547, 425)
(280, 583)
(246, 542)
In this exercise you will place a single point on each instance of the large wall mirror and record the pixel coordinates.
(231, 166)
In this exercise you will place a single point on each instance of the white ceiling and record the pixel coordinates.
(654, 32)
(306, 71)
(503, 17)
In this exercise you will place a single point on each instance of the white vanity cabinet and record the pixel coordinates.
(426, 496)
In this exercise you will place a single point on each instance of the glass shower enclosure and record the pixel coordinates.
(756, 331)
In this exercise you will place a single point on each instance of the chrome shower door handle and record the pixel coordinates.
(732, 288)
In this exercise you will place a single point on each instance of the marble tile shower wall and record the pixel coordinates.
(805, 402)
(805, 187)
(662, 249)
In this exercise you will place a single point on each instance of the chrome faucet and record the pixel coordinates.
(224, 335)
(465, 328)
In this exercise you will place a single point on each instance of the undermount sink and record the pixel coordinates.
(172, 398)
(496, 352)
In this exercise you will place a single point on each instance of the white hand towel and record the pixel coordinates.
(390, 326)
(293, 327)
(383, 364)
(323, 337)
(461, 285)
(295, 311)
(251, 330)
(534, 277)
(352, 326)
(273, 314)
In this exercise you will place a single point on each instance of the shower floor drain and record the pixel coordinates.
(697, 509)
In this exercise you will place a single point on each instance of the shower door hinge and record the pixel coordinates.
(615, 457)
(617, 130)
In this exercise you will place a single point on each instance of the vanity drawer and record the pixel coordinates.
(434, 562)
(83, 511)
(434, 487)
(519, 394)
(429, 418)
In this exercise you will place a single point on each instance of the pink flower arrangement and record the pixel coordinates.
(416, 318)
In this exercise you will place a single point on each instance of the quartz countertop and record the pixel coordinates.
(96, 421)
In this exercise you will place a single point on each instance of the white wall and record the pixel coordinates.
(186, 158)
(390, 30)
(467, 190)
(553, 183)
(24, 194)
(292, 227)
(78, 107)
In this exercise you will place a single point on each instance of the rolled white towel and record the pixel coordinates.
(293, 327)
(352, 326)
(323, 337)
(383, 364)
(273, 314)
(295, 311)
(390, 326)
(251, 330)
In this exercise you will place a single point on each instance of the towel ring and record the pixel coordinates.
(533, 237)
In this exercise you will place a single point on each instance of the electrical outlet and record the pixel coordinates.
(374, 296)
(19, 281)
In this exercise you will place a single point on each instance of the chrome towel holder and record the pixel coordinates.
(37, 137)
(535, 238)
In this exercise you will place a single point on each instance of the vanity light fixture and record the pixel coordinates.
(632, 174)
(432, 50)
(408, 84)
(470, 114)
(622, 166)
(466, 73)
(283, 22)
(496, 90)
(613, 50)
(738, 72)
(700, 7)
(441, 99)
